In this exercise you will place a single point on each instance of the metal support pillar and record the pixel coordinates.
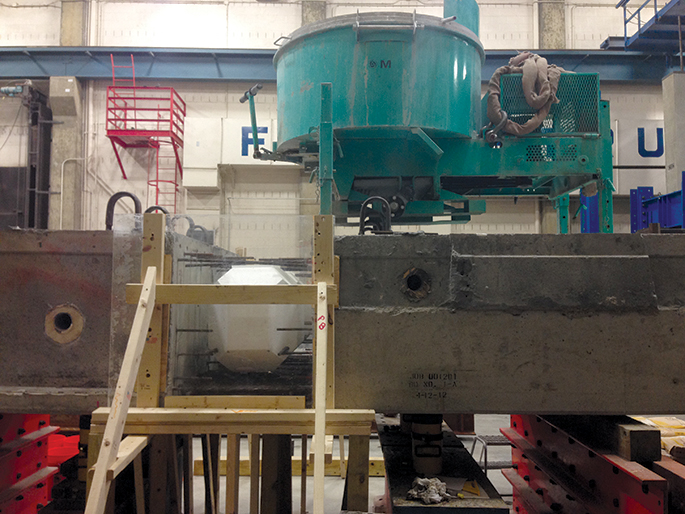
(561, 206)
(589, 214)
(326, 150)
(606, 207)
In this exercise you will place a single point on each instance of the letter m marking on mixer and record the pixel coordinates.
(385, 64)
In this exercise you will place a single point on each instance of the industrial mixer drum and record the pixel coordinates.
(390, 72)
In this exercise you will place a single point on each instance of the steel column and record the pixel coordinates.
(326, 150)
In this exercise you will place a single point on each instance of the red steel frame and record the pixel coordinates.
(556, 473)
(148, 117)
(25, 478)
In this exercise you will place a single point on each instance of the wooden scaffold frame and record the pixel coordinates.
(143, 368)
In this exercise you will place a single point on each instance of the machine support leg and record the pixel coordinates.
(606, 207)
(326, 150)
(561, 206)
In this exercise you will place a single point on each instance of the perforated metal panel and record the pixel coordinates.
(561, 151)
(576, 113)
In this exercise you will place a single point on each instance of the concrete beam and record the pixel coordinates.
(575, 324)
(673, 91)
(552, 24)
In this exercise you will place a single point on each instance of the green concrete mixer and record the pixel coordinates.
(386, 110)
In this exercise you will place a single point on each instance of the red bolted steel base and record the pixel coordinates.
(554, 472)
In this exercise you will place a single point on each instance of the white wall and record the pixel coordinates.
(254, 24)
(30, 23)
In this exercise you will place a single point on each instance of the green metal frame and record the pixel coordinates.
(461, 170)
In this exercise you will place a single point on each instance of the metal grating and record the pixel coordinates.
(541, 153)
(576, 113)
(568, 151)
(563, 151)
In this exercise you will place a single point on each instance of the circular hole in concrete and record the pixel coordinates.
(63, 321)
(414, 282)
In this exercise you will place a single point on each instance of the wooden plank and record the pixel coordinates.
(357, 481)
(341, 447)
(235, 402)
(232, 472)
(122, 396)
(234, 421)
(376, 467)
(128, 450)
(188, 503)
(319, 444)
(276, 475)
(209, 460)
(150, 370)
(94, 443)
(323, 265)
(110, 506)
(254, 469)
(139, 485)
(215, 294)
(324, 270)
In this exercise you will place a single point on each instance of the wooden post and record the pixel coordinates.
(324, 271)
(210, 460)
(139, 484)
(188, 505)
(343, 469)
(357, 485)
(253, 442)
(149, 375)
(114, 429)
(94, 443)
(159, 470)
(232, 472)
(320, 398)
(277, 483)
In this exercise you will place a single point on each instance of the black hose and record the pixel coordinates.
(109, 217)
(383, 224)
(156, 208)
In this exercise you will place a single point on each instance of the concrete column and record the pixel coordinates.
(66, 164)
(313, 10)
(73, 21)
(552, 24)
(673, 91)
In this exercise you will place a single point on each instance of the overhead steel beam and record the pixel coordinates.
(256, 65)
(150, 63)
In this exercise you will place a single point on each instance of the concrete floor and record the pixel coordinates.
(485, 425)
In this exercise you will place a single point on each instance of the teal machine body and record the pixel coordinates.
(401, 117)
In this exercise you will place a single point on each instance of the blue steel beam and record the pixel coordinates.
(150, 63)
(256, 65)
